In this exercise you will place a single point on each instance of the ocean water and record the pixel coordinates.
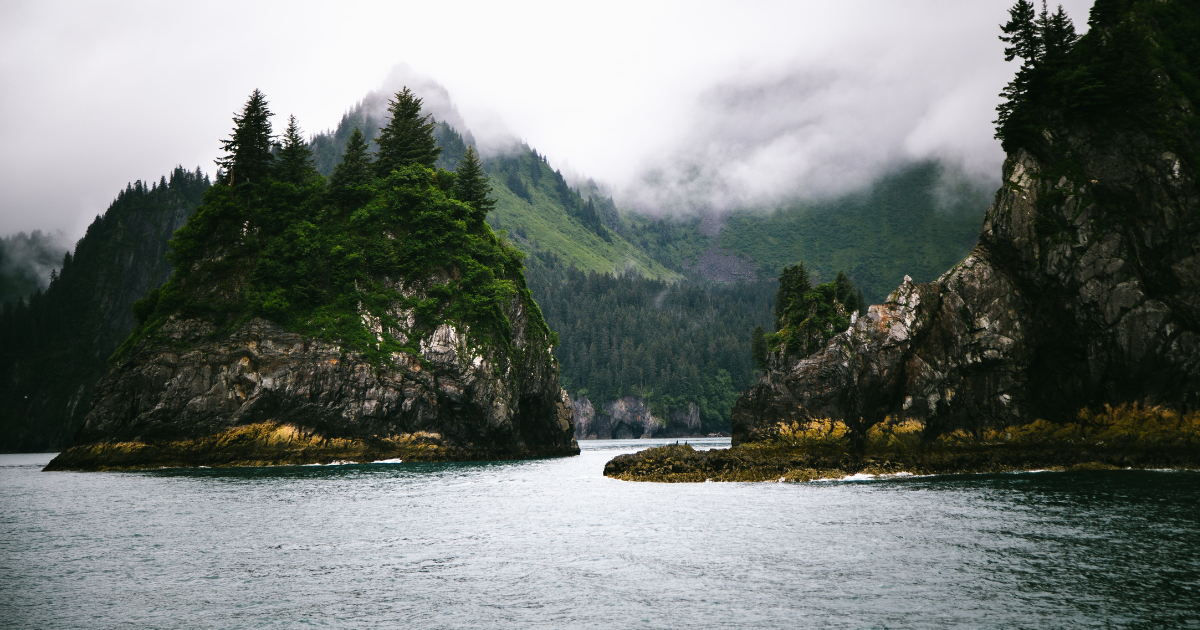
(553, 544)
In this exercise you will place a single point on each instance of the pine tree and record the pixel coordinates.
(248, 150)
(408, 137)
(294, 162)
(789, 299)
(1058, 36)
(350, 179)
(1023, 33)
(758, 347)
(471, 187)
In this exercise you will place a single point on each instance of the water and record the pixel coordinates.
(554, 544)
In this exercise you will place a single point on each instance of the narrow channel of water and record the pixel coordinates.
(552, 543)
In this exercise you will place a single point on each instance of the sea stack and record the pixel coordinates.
(372, 317)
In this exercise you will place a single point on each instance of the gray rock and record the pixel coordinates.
(1080, 293)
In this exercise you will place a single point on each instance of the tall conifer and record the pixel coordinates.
(294, 162)
(248, 150)
(350, 178)
(408, 137)
(471, 187)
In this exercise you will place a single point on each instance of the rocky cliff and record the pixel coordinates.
(1084, 290)
(188, 396)
(630, 417)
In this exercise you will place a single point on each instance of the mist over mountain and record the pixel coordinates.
(26, 262)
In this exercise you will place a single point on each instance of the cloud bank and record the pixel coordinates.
(677, 105)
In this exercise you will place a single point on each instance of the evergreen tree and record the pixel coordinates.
(1022, 32)
(348, 185)
(1058, 36)
(789, 299)
(408, 137)
(471, 187)
(294, 162)
(248, 150)
(758, 347)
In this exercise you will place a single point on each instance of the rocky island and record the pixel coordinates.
(375, 316)
(1068, 338)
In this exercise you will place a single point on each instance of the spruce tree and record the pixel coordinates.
(408, 137)
(1058, 36)
(471, 187)
(348, 186)
(789, 299)
(294, 162)
(248, 155)
(758, 348)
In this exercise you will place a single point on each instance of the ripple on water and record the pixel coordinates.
(553, 543)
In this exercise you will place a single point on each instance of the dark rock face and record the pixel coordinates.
(630, 417)
(1081, 292)
(470, 400)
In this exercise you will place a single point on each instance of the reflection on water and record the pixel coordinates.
(552, 543)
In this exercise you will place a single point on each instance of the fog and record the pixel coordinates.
(675, 106)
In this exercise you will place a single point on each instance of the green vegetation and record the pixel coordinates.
(807, 317)
(55, 345)
(1128, 436)
(919, 221)
(1114, 78)
(386, 238)
(669, 343)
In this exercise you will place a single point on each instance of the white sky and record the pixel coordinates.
(674, 104)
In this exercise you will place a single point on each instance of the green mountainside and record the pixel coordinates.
(637, 311)
(55, 345)
(534, 204)
(906, 223)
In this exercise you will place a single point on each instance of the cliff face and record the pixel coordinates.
(1084, 290)
(630, 417)
(456, 399)
(53, 350)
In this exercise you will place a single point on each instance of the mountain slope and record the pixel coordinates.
(55, 347)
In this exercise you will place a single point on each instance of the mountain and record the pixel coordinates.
(1083, 290)
(55, 345)
(26, 264)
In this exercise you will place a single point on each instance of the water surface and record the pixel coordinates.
(552, 543)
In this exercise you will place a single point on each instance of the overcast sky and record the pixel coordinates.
(675, 105)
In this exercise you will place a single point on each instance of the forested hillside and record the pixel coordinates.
(668, 343)
(534, 204)
(55, 345)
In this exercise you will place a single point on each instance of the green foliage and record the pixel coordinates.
(294, 159)
(758, 348)
(407, 139)
(919, 221)
(471, 187)
(344, 263)
(807, 317)
(1127, 73)
(54, 343)
(248, 156)
(670, 343)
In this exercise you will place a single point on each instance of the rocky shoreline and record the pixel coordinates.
(262, 395)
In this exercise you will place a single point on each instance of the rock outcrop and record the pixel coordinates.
(630, 417)
(458, 399)
(1084, 290)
